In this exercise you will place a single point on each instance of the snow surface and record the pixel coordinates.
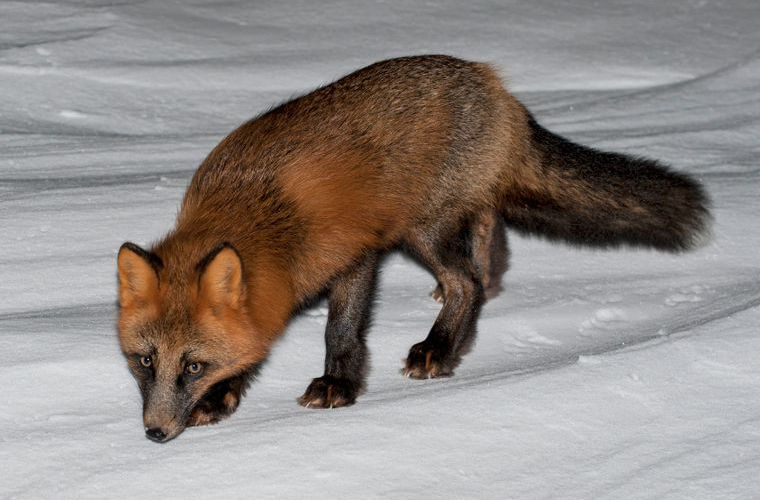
(626, 374)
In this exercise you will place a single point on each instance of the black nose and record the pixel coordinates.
(155, 434)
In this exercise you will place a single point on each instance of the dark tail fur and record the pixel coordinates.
(589, 197)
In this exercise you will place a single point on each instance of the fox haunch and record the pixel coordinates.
(427, 154)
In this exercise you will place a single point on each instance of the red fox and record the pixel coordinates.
(427, 154)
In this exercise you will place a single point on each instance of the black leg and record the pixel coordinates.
(490, 254)
(451, 260)
(350, 301)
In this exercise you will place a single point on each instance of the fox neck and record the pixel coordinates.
(271, 298)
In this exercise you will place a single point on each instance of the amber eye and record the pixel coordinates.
(146, 361)
(193, 368)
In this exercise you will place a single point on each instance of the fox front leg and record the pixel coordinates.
(221, 400)
(350, 302)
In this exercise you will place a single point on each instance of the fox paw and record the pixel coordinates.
(428, 360)
(212, 410)
(329, 392)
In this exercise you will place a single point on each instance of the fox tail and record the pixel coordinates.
(583, 196)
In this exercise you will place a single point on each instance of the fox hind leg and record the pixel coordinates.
(490, 253)
(452, 263)
(350, 301)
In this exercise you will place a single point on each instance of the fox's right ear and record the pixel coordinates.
(138, 276)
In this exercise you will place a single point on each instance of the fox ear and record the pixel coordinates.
(138, 276)
(220, 277)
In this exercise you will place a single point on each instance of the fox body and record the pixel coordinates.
(429, 154)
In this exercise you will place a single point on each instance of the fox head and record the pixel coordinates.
(186, 335)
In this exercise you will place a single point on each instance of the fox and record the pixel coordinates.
(429, 155)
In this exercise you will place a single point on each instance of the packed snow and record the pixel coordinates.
(597, 374)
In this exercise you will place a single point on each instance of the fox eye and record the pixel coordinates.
(193, 368)
(146, 361)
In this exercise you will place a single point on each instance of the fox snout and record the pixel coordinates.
(155, 434)
(162, 426)
(163, 434)
(164, 413)
(160, 429)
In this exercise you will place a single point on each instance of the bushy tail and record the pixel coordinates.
(588, 197)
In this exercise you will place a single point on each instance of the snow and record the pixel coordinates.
(626, 374)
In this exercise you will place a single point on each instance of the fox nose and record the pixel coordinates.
(155, 434)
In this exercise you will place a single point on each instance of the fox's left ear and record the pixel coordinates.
(220, 277)
(138, 276)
